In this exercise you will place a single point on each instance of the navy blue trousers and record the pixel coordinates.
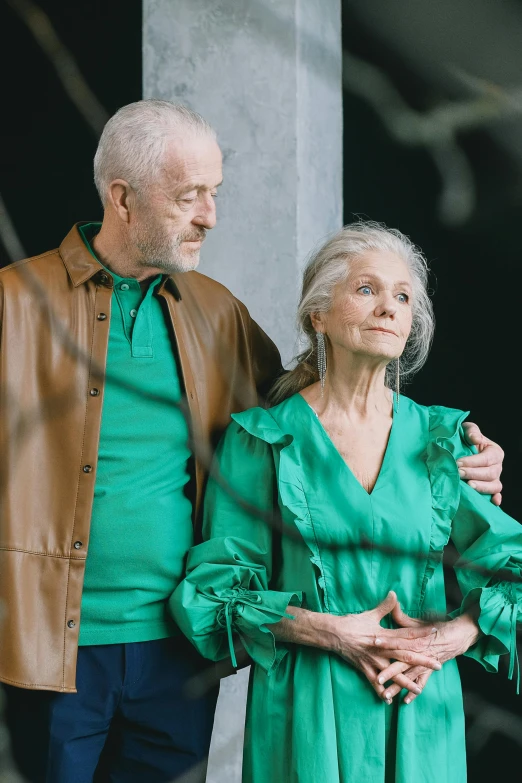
(143, 713)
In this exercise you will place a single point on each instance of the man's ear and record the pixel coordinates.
(120, 196)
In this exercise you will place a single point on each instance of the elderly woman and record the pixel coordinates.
(343, 497)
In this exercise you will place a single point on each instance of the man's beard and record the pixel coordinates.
(163, 251)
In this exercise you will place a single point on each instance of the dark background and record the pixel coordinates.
(46, 151)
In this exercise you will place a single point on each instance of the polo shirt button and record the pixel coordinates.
(70, 624)
(124, 286)
(87, 468)
(94, 392)
(101, 316)
(78, 544)
(134, 313)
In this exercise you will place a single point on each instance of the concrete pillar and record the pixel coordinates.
(267, 75)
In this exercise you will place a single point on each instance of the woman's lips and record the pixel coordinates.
(378, 329)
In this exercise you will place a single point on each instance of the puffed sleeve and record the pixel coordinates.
(489, 543)
(225, 597)
(489, 571)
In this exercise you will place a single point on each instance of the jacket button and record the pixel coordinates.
(94, 392)
(87, 468)
(78, 544)
(70, 624)
(101, 316)
(104, 279)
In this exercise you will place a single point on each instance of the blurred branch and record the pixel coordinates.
(435, 130)
(488, 719)
(63, 62)
(9, 236)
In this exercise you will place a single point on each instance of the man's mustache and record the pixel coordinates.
(193, 236)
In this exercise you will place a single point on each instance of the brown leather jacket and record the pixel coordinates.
(54, 325)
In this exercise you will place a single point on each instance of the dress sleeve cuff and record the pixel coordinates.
(497, 619)
(247, 612)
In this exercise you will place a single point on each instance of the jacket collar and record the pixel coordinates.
(81, 265)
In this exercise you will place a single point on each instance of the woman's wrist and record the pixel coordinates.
(469, 629)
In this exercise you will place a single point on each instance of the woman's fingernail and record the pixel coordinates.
(417, 689)
(387, 696)
(459, 463)
(434, 630)
(388, 701)
(438, 666)
(472, 484)
(462, 472)
(407, 701)
(381, 680)
(377, 641)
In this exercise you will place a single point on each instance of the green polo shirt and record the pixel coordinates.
(141, 527)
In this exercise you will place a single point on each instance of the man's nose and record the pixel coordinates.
(206, 212)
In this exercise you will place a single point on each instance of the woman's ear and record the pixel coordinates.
(317, 320)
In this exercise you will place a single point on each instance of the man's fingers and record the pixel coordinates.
(473, 433)
(491, 455)
(478, 473)
(487, 487)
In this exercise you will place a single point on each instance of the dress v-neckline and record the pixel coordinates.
(330, 443)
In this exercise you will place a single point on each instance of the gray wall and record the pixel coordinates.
(267, 75)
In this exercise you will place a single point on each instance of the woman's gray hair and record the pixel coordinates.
(330, 266)
(133, 142)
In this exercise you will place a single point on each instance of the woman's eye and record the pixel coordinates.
(403, 298)
(365, 290)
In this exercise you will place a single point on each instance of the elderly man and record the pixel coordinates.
(119, 369)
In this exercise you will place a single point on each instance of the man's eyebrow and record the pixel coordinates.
(200, 186)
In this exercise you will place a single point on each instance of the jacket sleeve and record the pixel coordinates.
(266, 359)
(489, 571)
(225, 599)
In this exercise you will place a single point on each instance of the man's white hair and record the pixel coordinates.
(132, 144)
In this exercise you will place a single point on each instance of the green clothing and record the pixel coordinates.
(311, 716)
(141, 528)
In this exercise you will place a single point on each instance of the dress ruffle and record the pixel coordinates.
(444, 444)
(498, 622)
(259, 423)
(497, 603)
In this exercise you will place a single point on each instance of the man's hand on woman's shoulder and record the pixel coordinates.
(482, 470)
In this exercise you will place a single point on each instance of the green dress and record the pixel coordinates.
(332, 547)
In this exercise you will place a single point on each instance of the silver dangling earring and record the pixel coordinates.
(321, 359)
(397, 387)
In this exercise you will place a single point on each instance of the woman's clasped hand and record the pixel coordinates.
(402, 658)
